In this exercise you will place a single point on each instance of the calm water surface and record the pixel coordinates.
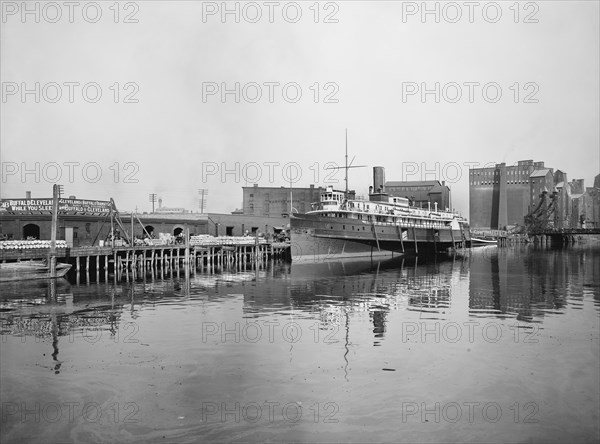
(499, 345)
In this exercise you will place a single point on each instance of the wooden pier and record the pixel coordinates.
(554, 237)
(151, 257)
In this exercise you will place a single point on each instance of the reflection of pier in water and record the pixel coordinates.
(50, 311)
(43, 308)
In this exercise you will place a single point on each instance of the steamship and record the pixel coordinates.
(340, 226)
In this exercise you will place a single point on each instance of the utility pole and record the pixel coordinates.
(132, 237)
(112, 224)
(202, 192)
(152, 198)
(291, 200)
(52, 261)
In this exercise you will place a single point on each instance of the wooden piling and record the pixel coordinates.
(415, 238)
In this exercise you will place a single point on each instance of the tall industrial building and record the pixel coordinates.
(586, 205)
(501, 196)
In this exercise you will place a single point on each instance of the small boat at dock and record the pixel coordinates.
(477, 242)
(26, 270)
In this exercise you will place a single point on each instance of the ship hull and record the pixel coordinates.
(317, 238)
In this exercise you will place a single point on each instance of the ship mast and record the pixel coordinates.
(346, 167)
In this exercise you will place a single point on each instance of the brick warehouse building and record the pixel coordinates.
(275, 201)
(501, 196)
(85, 222)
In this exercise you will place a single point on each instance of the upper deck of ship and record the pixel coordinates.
(379, 204)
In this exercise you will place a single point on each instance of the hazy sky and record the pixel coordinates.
(364, 63)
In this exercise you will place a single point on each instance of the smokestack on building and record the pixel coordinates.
(378, 179)
(27, 194)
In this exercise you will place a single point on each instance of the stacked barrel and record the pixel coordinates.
(29, 244)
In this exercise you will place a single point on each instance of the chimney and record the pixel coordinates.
(27, 194)
(378, 179)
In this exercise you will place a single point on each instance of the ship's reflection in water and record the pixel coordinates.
(376, 288)
(494, 345)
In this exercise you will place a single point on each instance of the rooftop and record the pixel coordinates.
(539, 173)
(413, 183)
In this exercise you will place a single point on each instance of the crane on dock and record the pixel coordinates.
(541, 217)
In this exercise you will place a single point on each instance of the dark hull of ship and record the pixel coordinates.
(317, 238)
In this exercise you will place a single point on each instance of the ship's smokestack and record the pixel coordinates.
(379, 179)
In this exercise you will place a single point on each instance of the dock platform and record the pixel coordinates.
(215, 252)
